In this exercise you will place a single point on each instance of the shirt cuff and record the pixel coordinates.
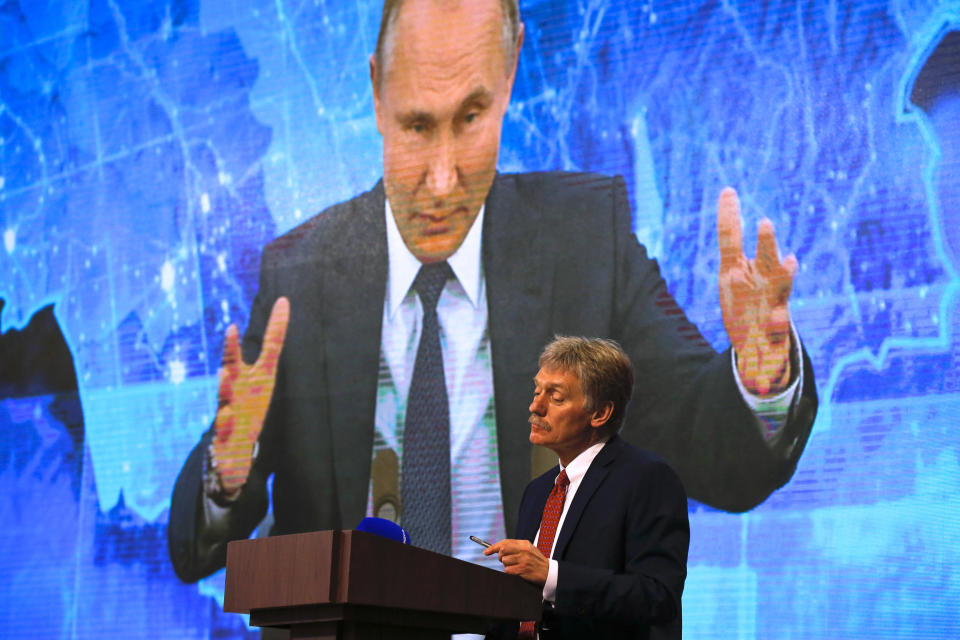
(772, 411)
(550, 586)
(214, 515)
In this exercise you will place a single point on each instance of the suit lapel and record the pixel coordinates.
(354, 287)
(598, 471)
(517, 288)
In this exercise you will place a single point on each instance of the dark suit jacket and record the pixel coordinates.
(558, 257)
(621, 552)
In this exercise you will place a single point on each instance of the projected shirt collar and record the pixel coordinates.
(404, 266)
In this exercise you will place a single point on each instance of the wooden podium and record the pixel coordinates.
(358, 586)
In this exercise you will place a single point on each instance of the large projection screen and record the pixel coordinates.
(150, 150)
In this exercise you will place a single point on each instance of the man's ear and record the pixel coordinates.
(519, 47)
(602, 415)
(516, 58)
(376, 91)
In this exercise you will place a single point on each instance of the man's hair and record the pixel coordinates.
(604, 371)
(391, 8)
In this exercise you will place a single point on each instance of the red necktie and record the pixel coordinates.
(548, 531)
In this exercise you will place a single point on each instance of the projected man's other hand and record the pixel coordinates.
(244, 396)
(754, 296)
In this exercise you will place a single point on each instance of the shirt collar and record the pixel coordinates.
(579, 465)
(404, 266)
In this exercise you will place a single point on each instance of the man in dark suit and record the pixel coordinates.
(553, 253)
(605, 533)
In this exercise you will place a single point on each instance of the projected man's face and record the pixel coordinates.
(440, 104)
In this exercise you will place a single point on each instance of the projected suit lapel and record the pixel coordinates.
(354, 280)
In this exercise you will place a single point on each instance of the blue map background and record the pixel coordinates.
(149, 150)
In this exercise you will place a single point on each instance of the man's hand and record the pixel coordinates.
(244, 396)
(521, 558)
(753, 300)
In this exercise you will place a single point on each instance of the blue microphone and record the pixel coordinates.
(385, 529)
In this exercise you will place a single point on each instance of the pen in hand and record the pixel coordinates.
(480, 541)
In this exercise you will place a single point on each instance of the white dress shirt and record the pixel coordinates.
(575, 472)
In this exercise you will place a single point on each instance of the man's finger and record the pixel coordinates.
(224, 389)
(784, 282)
(505, 548)
(509, 559)
(274, 336)
(729, 232)
(231, 352)
(791, 265)
(492, 549)
(768, 256)
(498, 547)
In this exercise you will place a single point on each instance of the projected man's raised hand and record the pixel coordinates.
(244, 396)
(754, 295)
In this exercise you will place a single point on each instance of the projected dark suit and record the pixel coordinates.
(558, 257)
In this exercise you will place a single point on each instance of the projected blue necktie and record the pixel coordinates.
(426, 432)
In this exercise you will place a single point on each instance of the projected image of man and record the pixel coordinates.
(412, 315)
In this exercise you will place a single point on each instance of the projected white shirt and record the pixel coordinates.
(477, 507)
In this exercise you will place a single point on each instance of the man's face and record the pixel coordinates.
(558, 419)
(440, 103)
